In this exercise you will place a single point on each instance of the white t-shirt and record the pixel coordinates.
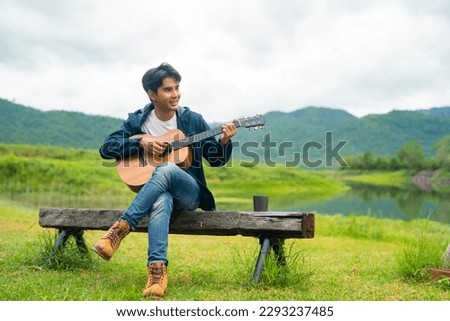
(156, 127)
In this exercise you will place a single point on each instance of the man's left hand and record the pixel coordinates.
(228, 131)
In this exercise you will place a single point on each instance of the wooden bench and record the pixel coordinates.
(272, 228)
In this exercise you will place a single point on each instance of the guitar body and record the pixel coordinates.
(136, 170)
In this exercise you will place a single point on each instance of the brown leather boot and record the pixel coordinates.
(157, 280)
(110, 242)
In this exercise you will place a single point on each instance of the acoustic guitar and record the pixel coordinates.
(135, 171)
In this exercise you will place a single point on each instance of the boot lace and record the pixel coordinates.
(156, 275)
(115, 234)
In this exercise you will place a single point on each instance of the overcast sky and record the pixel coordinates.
(237, 58)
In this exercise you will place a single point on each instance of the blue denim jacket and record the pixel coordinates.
(118, 145)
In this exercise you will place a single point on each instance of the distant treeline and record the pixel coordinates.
(410, 157)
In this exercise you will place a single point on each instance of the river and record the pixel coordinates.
(385, 202)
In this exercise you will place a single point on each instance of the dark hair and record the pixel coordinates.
(153, 78)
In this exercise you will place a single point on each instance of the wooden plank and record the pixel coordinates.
(439, 273)
(273, 224)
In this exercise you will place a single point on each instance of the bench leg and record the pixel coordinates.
(64, 235)
(267, 244)
(265, 247)
(61, 240)
(278, 249)
(80, 241)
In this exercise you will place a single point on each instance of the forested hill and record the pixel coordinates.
(25, 125)
(382, 134)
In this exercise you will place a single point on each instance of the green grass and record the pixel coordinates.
(421, 252)
(350, 258)
(377, 178)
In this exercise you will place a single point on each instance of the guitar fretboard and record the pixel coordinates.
(248, 122)
(197, 137)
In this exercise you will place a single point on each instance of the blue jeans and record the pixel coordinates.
(170, 188)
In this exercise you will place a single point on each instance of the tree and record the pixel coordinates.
(411, 155)
(442, 148)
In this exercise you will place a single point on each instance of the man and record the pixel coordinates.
(170, 187)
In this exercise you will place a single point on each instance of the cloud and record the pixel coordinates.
(236, 57)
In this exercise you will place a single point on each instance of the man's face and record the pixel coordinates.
(167, 96)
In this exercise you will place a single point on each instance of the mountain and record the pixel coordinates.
(311, 132)
(25, 125)
(437, 111)
(385, 134)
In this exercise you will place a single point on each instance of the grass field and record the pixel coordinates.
(356, 258)
(350, 258)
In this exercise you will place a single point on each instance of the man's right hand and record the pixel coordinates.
(153, 145)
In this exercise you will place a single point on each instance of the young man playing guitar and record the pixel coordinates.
(170, 187)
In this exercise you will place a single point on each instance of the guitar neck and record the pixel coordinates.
(197, 137)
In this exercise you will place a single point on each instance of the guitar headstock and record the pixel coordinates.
(257, 121)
